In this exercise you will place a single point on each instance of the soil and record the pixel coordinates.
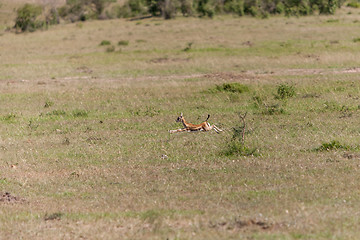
(9, 198)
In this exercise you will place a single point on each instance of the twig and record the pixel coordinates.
(242, 117)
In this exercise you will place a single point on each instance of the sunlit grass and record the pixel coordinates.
(85, 142)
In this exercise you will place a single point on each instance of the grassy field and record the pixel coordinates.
(85, 150)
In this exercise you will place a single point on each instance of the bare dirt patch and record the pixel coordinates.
(351, 156)
(230, 76)
(244, 225)
(166, 60)
(9, 198)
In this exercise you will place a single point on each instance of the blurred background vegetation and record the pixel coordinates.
(31, 16)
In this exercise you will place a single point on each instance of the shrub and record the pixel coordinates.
(234, 6)
(133, 8)
(105, 43)
(353, 4)
(236, 145)
(57, 113)
(333, 145)
(8, 117)
(169, 9)
(188, 47)
(48, 104)
(285, 91)
(186, 7)
(26, 19)
(79, 113)
(205, 8)
(82, 10)
(110, 49)
(238, 148)
(273, 109)
(123, 43)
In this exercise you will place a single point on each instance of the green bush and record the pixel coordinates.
(353, 4)
(110, 49)
(186, 8)
(333, 145)
(205, 8)
(234, 6)
(82, 10)
(105, 43)
(123, 43)
(26, 19)
(133, 8)
(208, 8)
(239, 149)
(285, 91)
(79, 113)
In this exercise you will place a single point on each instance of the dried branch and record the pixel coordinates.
(242, 117)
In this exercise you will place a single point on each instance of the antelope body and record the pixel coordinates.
(189, 127)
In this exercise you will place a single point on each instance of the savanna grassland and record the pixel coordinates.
(86, 107)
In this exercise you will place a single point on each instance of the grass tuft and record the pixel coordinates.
(285, 91)
(123, 43)
(333, 145)
(105, 43)
(53, 216)
(79, 113)
(232, 87)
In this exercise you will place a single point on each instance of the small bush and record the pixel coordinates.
(353, 4)
(356, 40)
(110, 49)
(333, 145)
(123, 43)
(273, 109)
(57, 113)
(82, 10)
(239, 149)
(285, 91)
(232, 87)
(235, 7)
(79, 113)
(133, 8)
(188, 46)
(105, 43)
(26, 19)
(48, 104)
(186, 8)
(8, 117)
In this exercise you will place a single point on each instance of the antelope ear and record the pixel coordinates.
(180, 114)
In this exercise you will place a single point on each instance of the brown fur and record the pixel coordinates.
(189, 127)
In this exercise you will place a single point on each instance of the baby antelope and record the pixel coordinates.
(204, 126)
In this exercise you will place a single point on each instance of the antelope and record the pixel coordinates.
(204, 126)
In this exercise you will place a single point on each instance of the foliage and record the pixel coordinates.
(236, 145)
(285, 91)
(26, 19)
(123, 43)
(105, 43)
(353, 4)
(82, 10)
(209, 8)
(239, 149)
(333, 145)
(132, 8)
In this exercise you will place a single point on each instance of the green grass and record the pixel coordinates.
(86, 149)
